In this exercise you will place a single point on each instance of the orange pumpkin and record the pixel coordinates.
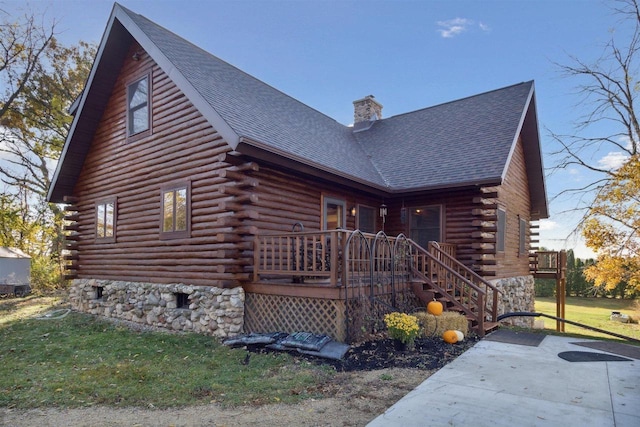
(450, 336)
(434, 307)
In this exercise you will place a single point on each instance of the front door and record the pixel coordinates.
(334, 213)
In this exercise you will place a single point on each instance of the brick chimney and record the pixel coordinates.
(366, 109)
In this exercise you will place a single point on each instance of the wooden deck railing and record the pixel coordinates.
(319, 257)
(547, 264)
(299, 255)
(467, 290)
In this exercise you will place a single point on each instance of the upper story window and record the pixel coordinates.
(138, 116)
(106, 220)
(176, 213)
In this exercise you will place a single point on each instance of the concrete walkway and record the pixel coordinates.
(497, 384)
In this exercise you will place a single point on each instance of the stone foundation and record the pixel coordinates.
(517, 294)
(177, 307)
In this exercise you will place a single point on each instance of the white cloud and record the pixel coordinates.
(612, 160)
(547, 224)
(484, 27)
(453, 27)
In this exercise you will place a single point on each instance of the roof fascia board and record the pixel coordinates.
(209, 113)
(79, 104)
(517, 134)
(530, 106)
(543, 210)
(266, 153)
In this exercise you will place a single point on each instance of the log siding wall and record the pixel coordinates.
(182, 147)
(515, 199)
(233, 198)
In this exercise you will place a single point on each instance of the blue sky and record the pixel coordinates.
(409, 54)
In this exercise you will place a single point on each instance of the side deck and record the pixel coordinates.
(343, 282)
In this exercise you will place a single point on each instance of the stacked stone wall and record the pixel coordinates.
(517, 295)
(206, 310)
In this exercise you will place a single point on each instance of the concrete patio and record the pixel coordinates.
(501, 384)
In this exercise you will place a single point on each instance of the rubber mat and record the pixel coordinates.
(613, 347)
(508, 336)
(590, 356)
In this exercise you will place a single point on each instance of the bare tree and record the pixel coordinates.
(610, 87)
(22, 43)
(611, 215)
(41, 79)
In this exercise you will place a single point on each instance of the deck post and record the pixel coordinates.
(334, 257)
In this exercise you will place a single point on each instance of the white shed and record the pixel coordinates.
(15, 266)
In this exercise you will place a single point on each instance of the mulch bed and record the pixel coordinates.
(429, 354)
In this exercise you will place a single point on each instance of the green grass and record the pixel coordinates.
(82, 361)
(593, 312)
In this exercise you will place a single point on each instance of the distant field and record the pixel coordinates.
(593, 312)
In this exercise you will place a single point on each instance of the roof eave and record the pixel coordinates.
(259, 150)
(210, 114)
(56, 193)
(535, 171)
(264, 152)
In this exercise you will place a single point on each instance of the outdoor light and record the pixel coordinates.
(353, 211)
(383, 210)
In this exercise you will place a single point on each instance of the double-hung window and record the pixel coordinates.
(138, 111)
(176, 212)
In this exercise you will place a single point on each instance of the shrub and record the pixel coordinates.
(402, 327)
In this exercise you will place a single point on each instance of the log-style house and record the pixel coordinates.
(200, 198)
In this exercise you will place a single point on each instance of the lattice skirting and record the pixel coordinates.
(270, 313)
(344, 322)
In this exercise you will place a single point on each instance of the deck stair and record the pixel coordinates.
(439, 275)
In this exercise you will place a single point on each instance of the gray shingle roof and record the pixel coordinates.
(459, 143)
(464, 141)
(257, 111)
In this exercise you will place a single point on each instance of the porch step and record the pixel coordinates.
(491, 326)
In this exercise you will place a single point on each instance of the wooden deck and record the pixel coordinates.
(360, 269)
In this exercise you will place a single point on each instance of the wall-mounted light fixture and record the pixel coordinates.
(353, 211)
(136, 56)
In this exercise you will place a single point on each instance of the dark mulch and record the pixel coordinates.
(429, 354)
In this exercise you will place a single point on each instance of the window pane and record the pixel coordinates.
(367, 219)
(167, 212)
(425, 225)
(181, 209)
(523, 236)
(100, 223)
(138, 93)
(137, 107)
(139, 120)
(109, 219)
(334, 215)
(500, 235)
